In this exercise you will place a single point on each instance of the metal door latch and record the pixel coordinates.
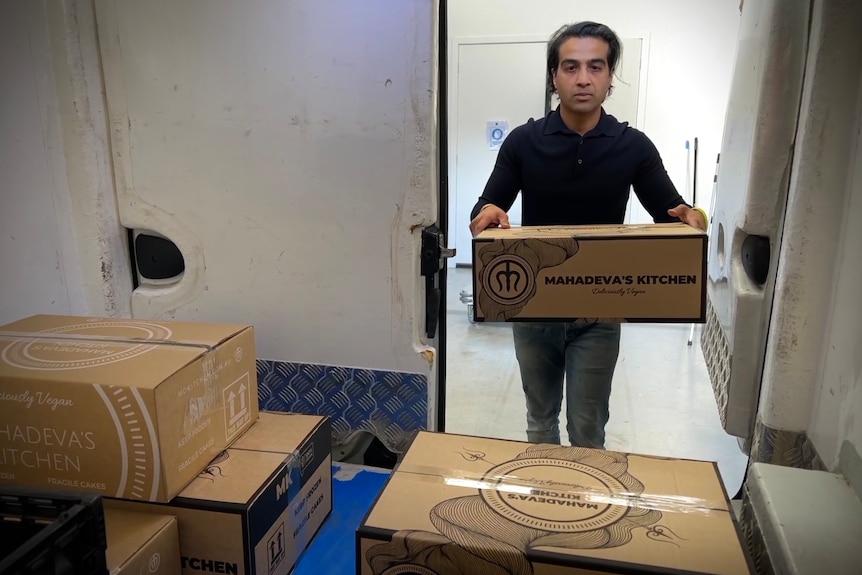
(432, 259)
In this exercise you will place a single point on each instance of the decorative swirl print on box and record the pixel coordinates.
(509, 270)
(567, 498)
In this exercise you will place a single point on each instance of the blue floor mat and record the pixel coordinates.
(333, 549)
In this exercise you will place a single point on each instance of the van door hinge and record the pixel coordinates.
(432, 260)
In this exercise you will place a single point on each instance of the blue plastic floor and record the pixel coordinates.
(333, 550)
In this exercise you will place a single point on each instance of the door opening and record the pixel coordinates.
(661, 390)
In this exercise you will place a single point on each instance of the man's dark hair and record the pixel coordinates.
(582, 30)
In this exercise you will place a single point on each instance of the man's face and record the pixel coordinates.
(583, 77)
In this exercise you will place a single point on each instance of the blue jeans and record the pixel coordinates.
(586, 356)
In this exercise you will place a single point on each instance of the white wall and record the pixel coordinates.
(838, 404)
(691, 48)
(38, 269)
(61, 247)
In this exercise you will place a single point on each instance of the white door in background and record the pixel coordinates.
(505, 81)
(496, 82)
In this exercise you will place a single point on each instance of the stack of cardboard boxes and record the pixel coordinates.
(161, 419)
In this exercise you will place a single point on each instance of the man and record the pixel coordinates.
(575, 166)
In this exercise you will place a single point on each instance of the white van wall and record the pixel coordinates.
(809, 388)
(38, 266)
(689, 54)
(62, 249)
(838, 404)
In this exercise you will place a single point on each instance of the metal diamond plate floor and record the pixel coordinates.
(390, 405)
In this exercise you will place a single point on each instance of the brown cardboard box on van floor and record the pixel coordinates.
(460, 505)
(257, 506)
(124, 408)
(141, 543)
(628, 273)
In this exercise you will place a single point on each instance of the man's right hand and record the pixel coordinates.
(489, 217)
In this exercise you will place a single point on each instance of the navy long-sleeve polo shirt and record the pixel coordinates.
(568, 179)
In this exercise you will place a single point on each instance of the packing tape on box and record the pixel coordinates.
(106, 350)
(560, 492)
(21, 335)
(491, 522)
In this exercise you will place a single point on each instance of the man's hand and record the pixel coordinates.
(489, 217)
(694, 218)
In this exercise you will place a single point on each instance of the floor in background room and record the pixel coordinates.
(661, 404)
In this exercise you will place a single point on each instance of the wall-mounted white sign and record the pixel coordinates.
(496, 132)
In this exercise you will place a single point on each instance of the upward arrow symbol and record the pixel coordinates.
(242, 390)
(231, 399)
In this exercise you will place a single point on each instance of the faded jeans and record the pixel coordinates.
(583, 354)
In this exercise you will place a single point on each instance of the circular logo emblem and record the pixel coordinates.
(554, 495)
(155, 561)
(409, 570)
(508, 279)
(113, 341)
(237, 354)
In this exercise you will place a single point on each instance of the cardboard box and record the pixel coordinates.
(141, 543)
(256, 508)
(461, 505)
(124, 408)
(630, 273)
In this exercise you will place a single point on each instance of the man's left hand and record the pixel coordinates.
(689, 216)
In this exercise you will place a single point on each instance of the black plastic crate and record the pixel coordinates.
(46, 532)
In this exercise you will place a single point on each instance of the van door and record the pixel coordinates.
(275, 163)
